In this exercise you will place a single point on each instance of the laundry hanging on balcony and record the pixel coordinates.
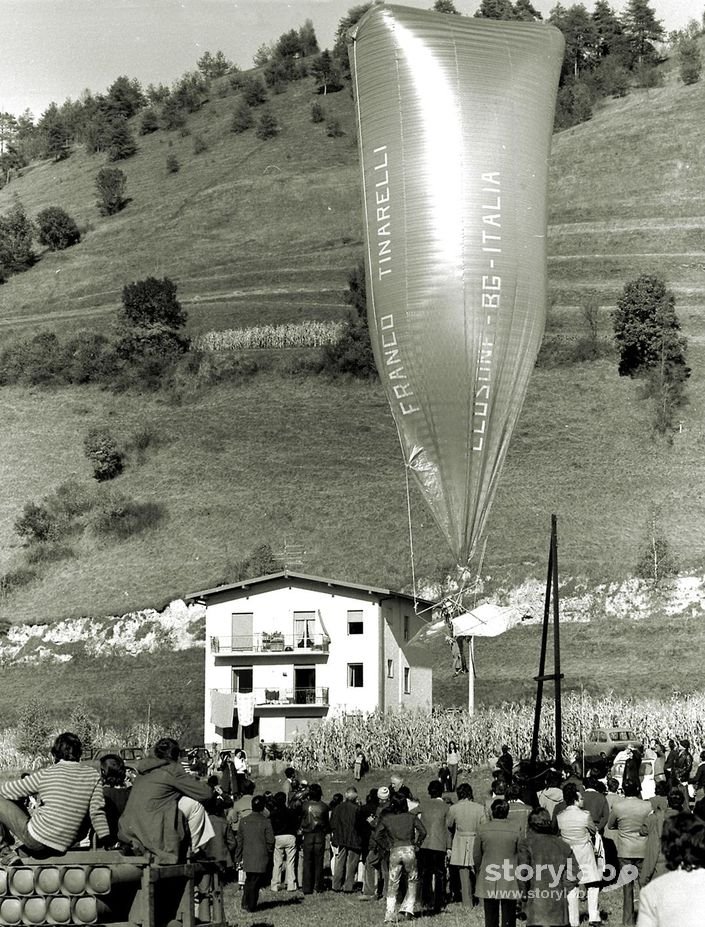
(222, 707)
(245, 708)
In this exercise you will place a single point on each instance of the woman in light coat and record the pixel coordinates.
(464, 818)
(577, 828)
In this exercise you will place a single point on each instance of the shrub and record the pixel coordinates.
(49, 553)
(152, 302)
(102, 450)
(172, 164)
(333, 129)
(267, 127)
(33, 728)
(72, 498)
(149, 123)
(57, 230)
(690, 62)
(317, 113)
(16, 234)
(38, 525)
(199, 144)
(111, 183)
(243, 118)
(85, 358)
(254, 92)
(120, 517)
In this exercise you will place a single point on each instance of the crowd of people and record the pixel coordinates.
(528, 851)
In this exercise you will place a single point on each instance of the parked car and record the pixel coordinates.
(646, 774)
(610, 741)
(129, 754)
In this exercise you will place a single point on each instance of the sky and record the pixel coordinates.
(55, 49)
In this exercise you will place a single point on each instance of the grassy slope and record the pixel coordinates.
(318, 464)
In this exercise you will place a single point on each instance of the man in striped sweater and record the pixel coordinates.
(67, 793)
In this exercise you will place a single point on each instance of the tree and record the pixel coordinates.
(16, 232)
(57, 230)
(262, 55)
(326, 72)
(150, 122)
(83, 725)
(496, 9)
(243, 118)
(214, 66)
(151, 302)
(308, 43)
(445, 6)
(111, 183)
(254, 92)
(609, 34)
(352, 354)
(655, 563)
(690, 62)
(340, 46)
(642, 29)
(120, 141)
(525, 11)
(102, 450)
(33, 728)
(647, 330)
(268, 126)
(8, 131)
(124, 98)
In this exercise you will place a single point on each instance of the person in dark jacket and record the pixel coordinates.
(152, 820)
(345, 834)
(553, 873)
(314, 827)
(404, 832)
(632, 769)
(498, 841)
(253, 851)
(436, 845)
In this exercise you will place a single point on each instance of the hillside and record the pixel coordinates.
(267, 231)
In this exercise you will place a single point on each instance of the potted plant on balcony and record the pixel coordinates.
(274, 640)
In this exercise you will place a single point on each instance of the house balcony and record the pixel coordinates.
(290, 698)
(272, 643)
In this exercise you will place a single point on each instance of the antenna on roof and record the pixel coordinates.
(292, 555)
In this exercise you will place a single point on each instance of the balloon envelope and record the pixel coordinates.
(455, 116)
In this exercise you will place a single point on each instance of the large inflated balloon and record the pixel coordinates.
(454, 126)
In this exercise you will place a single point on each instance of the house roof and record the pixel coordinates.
(287, 576)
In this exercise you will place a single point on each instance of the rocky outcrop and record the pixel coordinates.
(178, 627)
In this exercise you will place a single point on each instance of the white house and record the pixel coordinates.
(285, 650)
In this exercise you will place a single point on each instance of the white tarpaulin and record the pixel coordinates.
(486, 620)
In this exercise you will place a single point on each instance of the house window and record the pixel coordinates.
(242, 679)
(304, 626)
(407, 680)
(406, 627)
(355, 676)
(390, 669)
(355, 623)
(241, 637)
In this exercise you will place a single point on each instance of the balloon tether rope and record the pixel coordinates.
(411, 536)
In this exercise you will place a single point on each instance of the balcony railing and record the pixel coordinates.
(270, 643)
(296, 696)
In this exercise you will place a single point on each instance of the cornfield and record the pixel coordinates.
(417, 738)
(288, 335)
